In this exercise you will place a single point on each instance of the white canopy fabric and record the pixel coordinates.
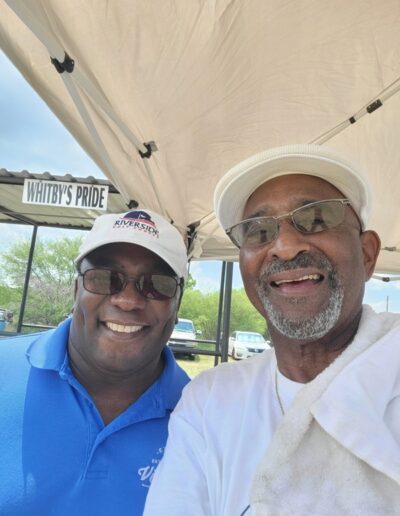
(212, 82)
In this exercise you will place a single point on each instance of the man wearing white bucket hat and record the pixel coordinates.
(85, 407)
(312, 426)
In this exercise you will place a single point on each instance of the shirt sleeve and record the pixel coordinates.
(179, 486)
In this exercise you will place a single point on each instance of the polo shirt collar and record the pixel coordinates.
(48, 351)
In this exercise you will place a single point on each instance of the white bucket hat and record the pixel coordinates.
(141, 227)
(236, 186)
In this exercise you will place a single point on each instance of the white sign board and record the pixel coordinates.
(69, 195)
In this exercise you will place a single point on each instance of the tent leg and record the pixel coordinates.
(220, 307)
(27, 277)
(227, 311)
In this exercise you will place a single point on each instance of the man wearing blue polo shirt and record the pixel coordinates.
(85, 407)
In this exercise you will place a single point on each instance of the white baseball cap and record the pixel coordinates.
(235, 187)
(141, 227)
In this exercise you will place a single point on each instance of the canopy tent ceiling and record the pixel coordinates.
(212, 82)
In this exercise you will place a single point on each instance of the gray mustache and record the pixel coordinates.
(302, 260)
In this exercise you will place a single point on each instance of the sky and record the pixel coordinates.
(33, 139)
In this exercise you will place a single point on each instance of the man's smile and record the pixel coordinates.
(293, 282)
(305, 278)
(123, 328)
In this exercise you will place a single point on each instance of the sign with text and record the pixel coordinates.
(69, 195)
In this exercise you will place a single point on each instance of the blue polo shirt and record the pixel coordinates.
(56, 455)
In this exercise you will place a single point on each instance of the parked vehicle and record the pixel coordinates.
(244, 344)
(6, 316)
(183, 338)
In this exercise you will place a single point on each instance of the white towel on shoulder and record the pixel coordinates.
(337, 450)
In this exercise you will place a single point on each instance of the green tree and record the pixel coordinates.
(190, 282)
(202, 309)
(9, 297)
(244, 316)
(50, 294)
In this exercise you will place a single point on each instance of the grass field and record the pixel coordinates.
(194, 367)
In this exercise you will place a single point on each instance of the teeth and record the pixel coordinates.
(122, 328)
(303, 278)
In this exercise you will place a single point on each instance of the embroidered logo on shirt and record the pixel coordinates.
(146, 473)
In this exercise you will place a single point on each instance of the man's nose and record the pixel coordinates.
(129, 298)
(289, 242)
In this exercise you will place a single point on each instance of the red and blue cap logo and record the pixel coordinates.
(138, 220)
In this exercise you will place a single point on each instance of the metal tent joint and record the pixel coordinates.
(132, 204)
(191, 235)
(374, 106)
(66, 66)
(151, 147)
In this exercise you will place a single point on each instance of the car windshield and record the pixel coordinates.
(250, 337)
(184, 326)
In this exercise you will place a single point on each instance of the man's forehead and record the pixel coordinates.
(290, 190)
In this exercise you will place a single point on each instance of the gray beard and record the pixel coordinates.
(316, 326)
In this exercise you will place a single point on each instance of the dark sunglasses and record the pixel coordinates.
(151, 286)
(311, 218)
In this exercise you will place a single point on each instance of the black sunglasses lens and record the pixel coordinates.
(117, 282)
(102, 281)
(157, 286)
(108, 282)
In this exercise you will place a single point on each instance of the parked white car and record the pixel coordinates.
(183, 338)
(244, 344)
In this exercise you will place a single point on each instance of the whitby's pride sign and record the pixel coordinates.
(69, 195)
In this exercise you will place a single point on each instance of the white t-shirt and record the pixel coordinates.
(286, 389)
(222, 429)
(219, 432)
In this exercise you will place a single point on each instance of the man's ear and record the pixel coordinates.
(371, 245)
